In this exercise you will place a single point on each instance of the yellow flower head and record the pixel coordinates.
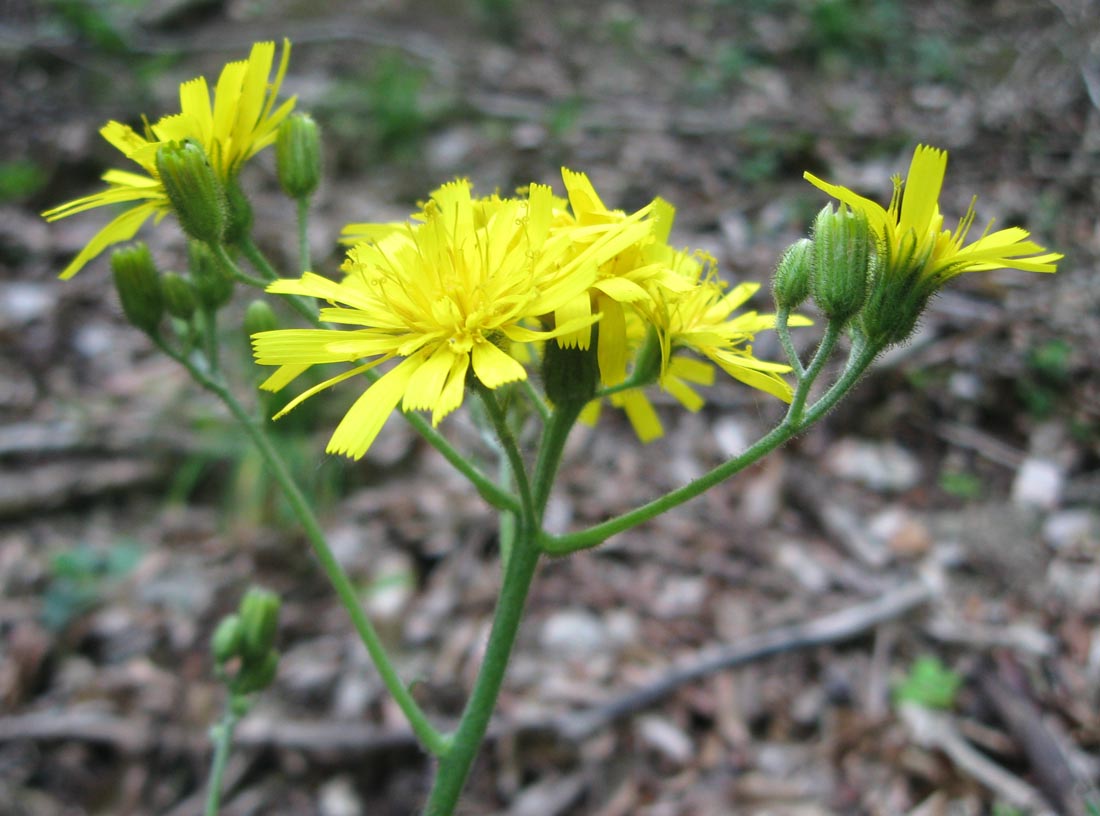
(241, 122)
(702, 320)
(623, 281)
(916, 255)
(448, 296)
(696, 315)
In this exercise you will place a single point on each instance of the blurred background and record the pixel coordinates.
(133, 515)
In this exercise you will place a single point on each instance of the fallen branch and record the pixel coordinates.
(934, 729)
(832, 628)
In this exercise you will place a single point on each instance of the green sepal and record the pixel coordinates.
(194, 191)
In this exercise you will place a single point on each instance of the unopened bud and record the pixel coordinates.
(841, 253)
(298, 155)
(193, 188)
(212, 282)
(138, 285)
(180, 299)
(259, 317)
(225, 643)
(257, 676)
(791, 283)
(259, 613)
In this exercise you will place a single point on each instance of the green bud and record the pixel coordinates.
(298, 155)
(259, 317)
(239, 209)
(211, 280)
(570, 375)
(225, 643)
(257, 676)
(899, 294)
(138, 285)
(841, 253)
(180, 299)
(791, 284)
(259, 613)
(193, 188)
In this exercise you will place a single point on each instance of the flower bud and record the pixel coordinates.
(138, 285)
(298, 155)
(259, 317)
(225, 643)
(259, 613)
(180, 299)
(238, 225)
(257, 676)
(791, 283)
(570, 375)
(841, 253)
(211, 280)
(196, 195)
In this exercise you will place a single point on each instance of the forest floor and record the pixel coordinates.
(937, 533)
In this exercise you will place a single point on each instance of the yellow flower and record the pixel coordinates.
(916, 255)
(701, 320)
(242, 121)
(622, 282)
(447, 296)
(695, 315)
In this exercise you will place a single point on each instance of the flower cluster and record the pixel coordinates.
(469, 284)
(242, 121)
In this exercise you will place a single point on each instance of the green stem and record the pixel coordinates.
(554, 436)
(305, 264)
(782, 315)
(806, 379)
(258, 260)
(454, 765)
(433, 741)
(511, 449)
(489, 490)
(536, 400)
(234, 269)
(210, 337)
(860, 357)
(222, 735)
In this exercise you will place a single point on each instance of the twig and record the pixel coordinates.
(832, 628)
(934, 729)
(1048, 758)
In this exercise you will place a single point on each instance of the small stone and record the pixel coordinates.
(899, 530)
(338, 797)
(731, 436)
(1038, 484)
(528, 136)
(666, 739)
(1077, 529)
(24, 302)
(806, 570)
(681, 596)
(880, 466)
(573, 633)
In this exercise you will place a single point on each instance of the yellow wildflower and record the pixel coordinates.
(916, 255)
(242, 121)
(447, 296)
(622, 282)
